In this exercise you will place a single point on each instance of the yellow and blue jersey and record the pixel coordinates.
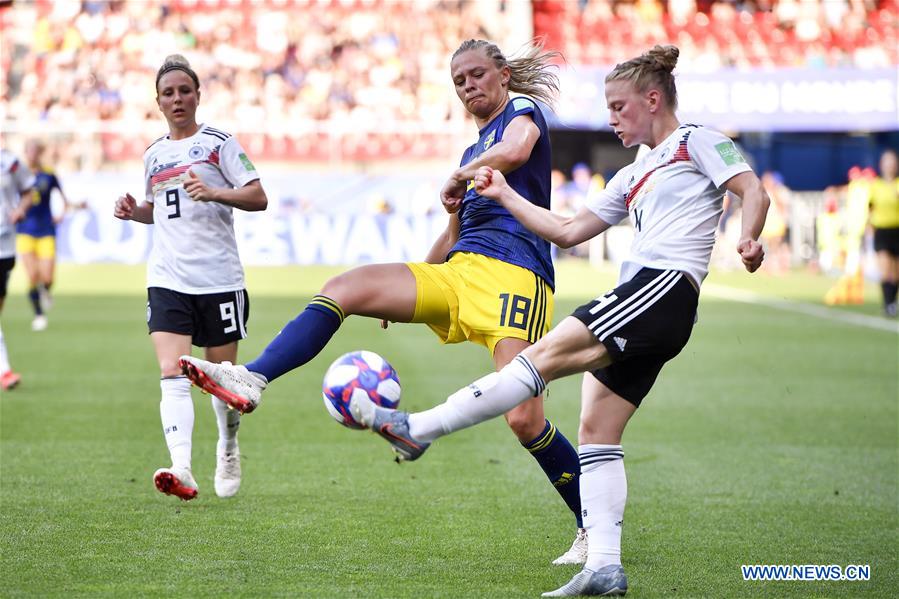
(489, 229)
(38, 221)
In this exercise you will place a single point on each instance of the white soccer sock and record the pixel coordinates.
(228, 422)
(4, 357)
(177, 413)
(603, 495)
(486, 398)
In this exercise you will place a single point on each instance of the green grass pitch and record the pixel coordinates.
(772, 439)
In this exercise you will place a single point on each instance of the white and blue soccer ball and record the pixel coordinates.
(360, 373)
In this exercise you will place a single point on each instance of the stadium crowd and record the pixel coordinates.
(732, 33)
(359, 66)
(372, 66)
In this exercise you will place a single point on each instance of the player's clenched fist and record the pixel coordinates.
(124, 207)
(490, 183)
(197, 190)
(752, 253)
(452, 194)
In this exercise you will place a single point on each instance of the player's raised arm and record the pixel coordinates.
(509, 153)
(506, 155)
(564, 231)
(755, 208)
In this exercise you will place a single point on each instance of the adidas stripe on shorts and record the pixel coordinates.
(643, 323)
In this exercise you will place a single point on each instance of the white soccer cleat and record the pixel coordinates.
(39, 323)
(608, 581)
(227, 474)
(577, 554)
(233, 384)
(392, 425)
(176, 481)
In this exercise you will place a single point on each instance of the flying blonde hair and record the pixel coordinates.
(531, 69)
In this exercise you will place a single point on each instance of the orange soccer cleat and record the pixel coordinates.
(9, 380)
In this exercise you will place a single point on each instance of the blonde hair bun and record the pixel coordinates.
(665, 56)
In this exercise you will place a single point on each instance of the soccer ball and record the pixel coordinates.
(363, 374)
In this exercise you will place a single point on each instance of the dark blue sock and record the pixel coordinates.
(35, 298)
(561, 464)
(300, 340)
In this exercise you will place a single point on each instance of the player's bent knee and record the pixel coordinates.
(169, 368)
(589, 432)
(527, 420)
(341, 289)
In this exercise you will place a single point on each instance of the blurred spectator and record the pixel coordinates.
(884, 218)
(576, 190)
(828, 233)
(849, 289)
(572, 195)
(557, 200)
(775, 235)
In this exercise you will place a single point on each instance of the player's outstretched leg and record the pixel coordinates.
(608, 581)
(176, 481)
(393, 425)
(233, 384)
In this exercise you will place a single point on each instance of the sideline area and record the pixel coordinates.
(577, 280)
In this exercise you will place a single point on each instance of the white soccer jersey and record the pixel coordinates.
(673, 195)
(15, 178)
(194, 247)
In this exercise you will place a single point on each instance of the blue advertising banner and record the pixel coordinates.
(784, 99)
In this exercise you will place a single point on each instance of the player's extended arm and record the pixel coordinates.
(251, 197)
(67, 205)
(755, 208)
(445, 241)
(564, 231)
(519, 138)
(70, 204)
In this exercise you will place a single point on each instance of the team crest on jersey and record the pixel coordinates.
(197, 152)
(489, 141)
(663, 155)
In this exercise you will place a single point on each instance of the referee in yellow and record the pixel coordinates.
(884, 218)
